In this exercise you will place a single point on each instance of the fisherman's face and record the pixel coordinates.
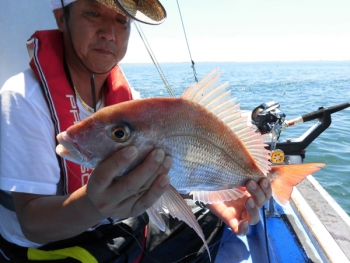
(100, 35)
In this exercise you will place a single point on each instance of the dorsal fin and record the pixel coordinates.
(192, 90)
(214, 97)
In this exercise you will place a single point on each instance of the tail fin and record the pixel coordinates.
(285, 177)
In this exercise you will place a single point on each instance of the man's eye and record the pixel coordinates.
(122, 21)
(93, 13)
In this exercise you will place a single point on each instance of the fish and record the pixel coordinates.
(213, 148)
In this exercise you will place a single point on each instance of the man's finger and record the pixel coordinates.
(252, 214)
(257, 194)
(137, 204)
(266, 188)
(143, 176)
(243, 228)
(104, 174)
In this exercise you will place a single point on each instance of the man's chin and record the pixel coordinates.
(102, 70)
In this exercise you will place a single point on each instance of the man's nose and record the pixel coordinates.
(108, 30)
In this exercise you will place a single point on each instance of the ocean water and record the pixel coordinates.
(299, 88)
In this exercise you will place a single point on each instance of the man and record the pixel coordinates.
(50, 211)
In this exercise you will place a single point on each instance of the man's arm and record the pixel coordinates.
(45, 218)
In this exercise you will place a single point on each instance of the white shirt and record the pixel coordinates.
(28, 160)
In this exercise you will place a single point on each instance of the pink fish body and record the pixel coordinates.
(212, 147)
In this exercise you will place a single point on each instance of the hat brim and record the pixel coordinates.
(146, 11)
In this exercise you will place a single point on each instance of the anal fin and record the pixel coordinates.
(212, 197)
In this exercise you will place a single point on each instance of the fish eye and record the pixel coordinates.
(120, 134)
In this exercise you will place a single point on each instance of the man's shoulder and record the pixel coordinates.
(23, 90)
(22, 83)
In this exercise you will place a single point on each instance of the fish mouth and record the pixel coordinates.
(71, 151)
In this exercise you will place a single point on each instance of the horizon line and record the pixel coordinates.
(272, 61)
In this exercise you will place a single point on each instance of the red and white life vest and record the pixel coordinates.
(47, 62)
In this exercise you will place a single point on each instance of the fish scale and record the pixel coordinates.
(195, 163)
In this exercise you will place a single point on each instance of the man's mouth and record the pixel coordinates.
(104, 51)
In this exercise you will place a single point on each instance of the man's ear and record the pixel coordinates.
(59, 16)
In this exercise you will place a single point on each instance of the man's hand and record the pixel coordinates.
(238, 214)
(45, 218)
(129, 195)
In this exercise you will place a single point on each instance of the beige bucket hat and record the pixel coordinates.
(146, 11)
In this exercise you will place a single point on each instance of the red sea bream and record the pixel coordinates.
(213, 148)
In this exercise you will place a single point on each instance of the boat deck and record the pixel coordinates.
(311, 228)
(324, 218)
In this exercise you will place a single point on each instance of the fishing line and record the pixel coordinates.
(179, 260)
(265, 234)
(75, 175)
(188, 46)
(154, 59)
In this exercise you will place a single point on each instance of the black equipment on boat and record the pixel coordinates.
(266, 115)
(269, 118)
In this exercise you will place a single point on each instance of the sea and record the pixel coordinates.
(299, 88)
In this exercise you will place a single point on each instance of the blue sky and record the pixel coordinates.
(248, 30)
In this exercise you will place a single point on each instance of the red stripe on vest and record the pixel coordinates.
(47, 63)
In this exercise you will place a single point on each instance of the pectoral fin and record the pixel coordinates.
(155, 216)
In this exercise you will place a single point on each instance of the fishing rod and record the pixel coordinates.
(317, 114)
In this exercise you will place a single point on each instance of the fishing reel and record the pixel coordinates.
(268, 118)
(267, 115)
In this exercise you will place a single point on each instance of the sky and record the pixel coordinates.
(247, 31)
